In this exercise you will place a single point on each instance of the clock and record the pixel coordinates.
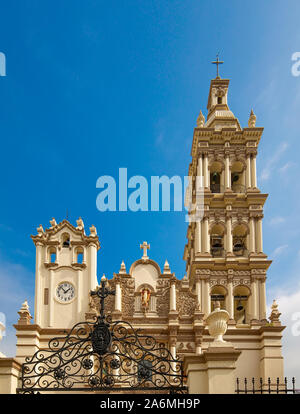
(65, 292)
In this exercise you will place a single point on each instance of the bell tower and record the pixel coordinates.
(224, 254)
(66, 266)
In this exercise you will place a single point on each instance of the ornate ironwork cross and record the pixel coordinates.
(102, 293)
(217, 62)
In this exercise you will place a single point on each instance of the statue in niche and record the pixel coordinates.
(145, 298)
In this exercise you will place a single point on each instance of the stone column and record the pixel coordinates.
(230, 299)
(248, 172)
(50, 300)
(198, 290)
(173, 295)
(38, 292)
(254, 299)
(93, 266)
(205, 172)
(262, 299)
(118, 297)
(259, 235)
(229, 235)
(198, 237)
(206, 304)
(172, 349)
(253, 171)
(79, 287)
(227, 173)
(173, 353)
(200, 170)
(206, 235)
(252, 235)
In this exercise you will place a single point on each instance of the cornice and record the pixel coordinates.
(44, 238)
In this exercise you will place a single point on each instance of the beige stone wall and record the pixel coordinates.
(10, 369)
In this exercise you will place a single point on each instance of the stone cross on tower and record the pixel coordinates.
(217, 62)
(145, 246)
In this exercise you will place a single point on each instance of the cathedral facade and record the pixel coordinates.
(226, 271)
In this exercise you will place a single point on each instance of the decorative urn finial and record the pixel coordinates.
(40, 230)
(93, 231)
(167, 269)
(53, 222)
(252, 120)
(275, 314)
(24, 313)
(217, 323)
(122, 268)
(80, 224)
(200, 120)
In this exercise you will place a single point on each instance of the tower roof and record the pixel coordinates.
(219, 115)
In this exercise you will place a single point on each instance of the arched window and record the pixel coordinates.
(216, 177)
(65, 240)
(238, 177)
(52, 255)
(79, 255)
(218, 294)
(217, 241)
(239, 240)
(241, 302)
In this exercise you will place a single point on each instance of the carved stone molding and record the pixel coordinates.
(163, 302)
(237, 282)
(218, 273)
(127, 287)
(241, 273)
(214, 282)
(185, 303)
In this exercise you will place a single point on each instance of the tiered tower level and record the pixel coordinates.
(224, 261)
(224, 254)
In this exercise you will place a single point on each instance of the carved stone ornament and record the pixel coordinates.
(127, 287)
(275, 314)
(163, 298)
(220, 92)
(252, 120)
(237, 282)
(185, 303)
(200, 120)
(214, 282)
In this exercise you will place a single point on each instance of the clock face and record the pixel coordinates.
(65, 292)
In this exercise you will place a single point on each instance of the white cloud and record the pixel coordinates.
(271, 163)
(274, 221)
(279, 250)
(286, 167)
(289, 306)
(16, 285)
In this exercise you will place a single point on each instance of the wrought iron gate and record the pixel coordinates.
(102, 356)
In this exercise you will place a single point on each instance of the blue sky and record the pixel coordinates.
(93, 86)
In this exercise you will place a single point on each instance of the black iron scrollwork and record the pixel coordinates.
(102, 355)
